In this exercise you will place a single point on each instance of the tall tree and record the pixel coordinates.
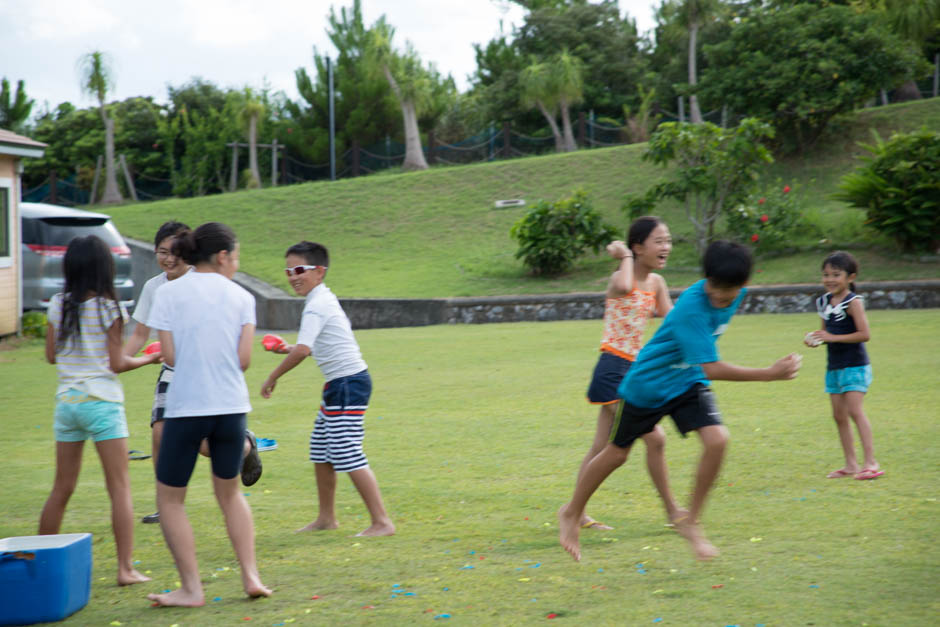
(14, 109)
(695, 12)
(410, 83)
(97, 79)
(553, 86)
(251, 111)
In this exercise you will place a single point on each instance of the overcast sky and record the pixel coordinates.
(232, 43)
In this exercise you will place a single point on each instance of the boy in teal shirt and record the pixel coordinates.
(670, 376)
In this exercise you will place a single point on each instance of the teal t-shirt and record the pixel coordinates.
(669, 363)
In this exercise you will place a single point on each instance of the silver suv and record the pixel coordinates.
(47, 231)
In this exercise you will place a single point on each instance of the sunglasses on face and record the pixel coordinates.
(296, 270)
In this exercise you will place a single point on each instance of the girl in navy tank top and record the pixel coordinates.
(848, 374)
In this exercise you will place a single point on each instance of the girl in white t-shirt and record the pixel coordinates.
(83, 340)
(206, 323)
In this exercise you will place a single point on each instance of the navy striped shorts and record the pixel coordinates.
(338, 431)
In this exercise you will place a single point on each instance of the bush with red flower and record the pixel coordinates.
(770, 220)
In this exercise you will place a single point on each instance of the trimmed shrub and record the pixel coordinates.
(552, 236)
(34, 324)
(899, 187)
(770, 220)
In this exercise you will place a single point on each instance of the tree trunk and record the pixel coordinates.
(253, 150)
(559, 143)
(907, 91)
(567, 134)
(414, 155)
(695, 114)
(112, 193)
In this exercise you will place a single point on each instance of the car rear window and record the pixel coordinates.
(60, 231)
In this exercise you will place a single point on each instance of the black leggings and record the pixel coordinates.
(182, 438)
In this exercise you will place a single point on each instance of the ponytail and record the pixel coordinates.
(198, 246)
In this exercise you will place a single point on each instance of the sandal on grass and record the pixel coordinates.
(596, 524)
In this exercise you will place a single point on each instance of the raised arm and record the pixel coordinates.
(621, 281)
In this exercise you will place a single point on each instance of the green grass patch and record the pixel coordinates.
(436, 233)
(475, 434)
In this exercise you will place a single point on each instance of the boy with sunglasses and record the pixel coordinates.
(336, 440)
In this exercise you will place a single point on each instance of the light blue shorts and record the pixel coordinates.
(79, 417)
(855, 379)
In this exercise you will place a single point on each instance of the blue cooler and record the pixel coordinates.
(44, 578)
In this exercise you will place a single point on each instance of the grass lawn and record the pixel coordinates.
(436, 233)
(475, 434)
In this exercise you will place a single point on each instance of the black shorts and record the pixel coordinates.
(691, 410)
(182, 438)
(608, 373)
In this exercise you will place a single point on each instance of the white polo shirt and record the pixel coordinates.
(325, 329)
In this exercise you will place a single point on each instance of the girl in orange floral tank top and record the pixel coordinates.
(634, 294)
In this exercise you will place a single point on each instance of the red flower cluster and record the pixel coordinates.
(755, 237)
(761, 201)
(764, 218)
(786, 189)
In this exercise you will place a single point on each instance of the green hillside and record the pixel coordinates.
(436, 233)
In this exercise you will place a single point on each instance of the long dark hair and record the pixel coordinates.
(841, 260)
(89, 271)
(641, 229)
(198, 246)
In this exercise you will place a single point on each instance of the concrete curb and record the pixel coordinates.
(277, 310)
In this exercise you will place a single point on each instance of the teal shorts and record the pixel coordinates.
(855, 379)
(79, 417)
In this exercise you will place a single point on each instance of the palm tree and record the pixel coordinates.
(14, 109)
(695, 12)
(553, 85)
(96, 80)
(409, 82)
(250, 113)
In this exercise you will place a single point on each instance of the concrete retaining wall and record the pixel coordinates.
(277, 310)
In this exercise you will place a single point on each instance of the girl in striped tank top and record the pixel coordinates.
(634, 294)
(84, 340)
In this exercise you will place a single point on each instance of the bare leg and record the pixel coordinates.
(605, 421)
(326, 493)
(241, 532)
(598, 469)
(853, 402)
(178, 534)
(113, 455)
(659, 472)
(368, 487)
(68, 463)
(840, 413)
(714, 442)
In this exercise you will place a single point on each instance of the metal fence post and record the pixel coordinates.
(681, 109)
(936, 75)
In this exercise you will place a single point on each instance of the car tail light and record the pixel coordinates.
(48, 251)
(122, 250)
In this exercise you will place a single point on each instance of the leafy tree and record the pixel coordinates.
(899, 187)
(797, 67)
(593, 32)
(552, 236)
(553, 86)
(96, 80)
(14, 109)
(713, 170)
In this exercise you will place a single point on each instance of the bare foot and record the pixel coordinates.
(843, 472)
(178, 598)
(130, 577)
(568, 531)
(692, 531)
(319, 525)
(378, 529)
(676, 514)
(253, 586)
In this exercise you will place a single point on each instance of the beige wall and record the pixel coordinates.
(9, 275)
